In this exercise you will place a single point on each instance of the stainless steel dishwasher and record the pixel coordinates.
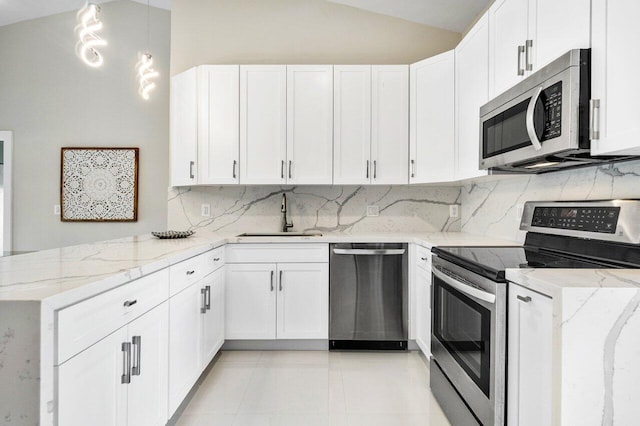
(368, 296)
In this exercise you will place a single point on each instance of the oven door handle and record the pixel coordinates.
(465, 288)
(531, 128)
(370, 252)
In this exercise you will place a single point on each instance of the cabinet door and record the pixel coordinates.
(90, 391)
(555, 27)
(351, 124)
(432, 140)
(423, 310)
(263, 124)
(508, 22)
(529, 354)
(303, 301)
(213, 317)
(309, 124)
(148, 391)
(184, 128)
(184, 343)
(250, 301)
(615, 82)
(218, 124)
(390, 124)
(472, 91)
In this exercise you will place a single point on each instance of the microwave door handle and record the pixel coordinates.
(531, 129)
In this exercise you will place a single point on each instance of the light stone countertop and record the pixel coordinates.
(67, 275)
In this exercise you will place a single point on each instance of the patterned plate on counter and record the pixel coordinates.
(172, 234)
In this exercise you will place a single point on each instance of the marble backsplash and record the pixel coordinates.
(237, 209)
(490, 207)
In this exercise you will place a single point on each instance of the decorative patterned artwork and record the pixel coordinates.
(99, 185)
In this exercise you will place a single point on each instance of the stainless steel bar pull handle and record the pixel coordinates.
(375, 169)
(290, 168)
(367, 169)
(207, 301)
(193, 271)
(594, 119)
(525, 299)
(137, 350)
(413, 168)
(203, 308)
(527, 56)
(126, 363)
(520, 52)
(281, 169)
(531, 128)
(281, 280)
(129, 303)
(216, 259)
(235, 163)
(464, 287)
(370, 252)
(191, 164)
(272, 272)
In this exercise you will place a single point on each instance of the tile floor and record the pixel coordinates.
(308, 388)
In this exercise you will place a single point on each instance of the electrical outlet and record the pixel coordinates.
(373, 211)
(519, 211)
(454, 210)
(205, 210)
(56, 209)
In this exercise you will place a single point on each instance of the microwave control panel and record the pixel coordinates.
(591, 219)
(551, 99)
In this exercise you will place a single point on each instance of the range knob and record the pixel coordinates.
(552, 222)
(537, 220)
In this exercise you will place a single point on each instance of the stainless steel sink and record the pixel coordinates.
(280, 234)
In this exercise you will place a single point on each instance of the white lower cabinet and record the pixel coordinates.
(121, 380)
(213, 317)
(277, 301)
(423, 302)
(529, 389)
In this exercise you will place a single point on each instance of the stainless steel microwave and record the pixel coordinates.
(542, 123)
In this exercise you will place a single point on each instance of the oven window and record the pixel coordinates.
(463, 326)
(506, 131)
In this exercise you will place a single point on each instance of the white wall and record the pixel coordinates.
(295, 32)
(50, 99)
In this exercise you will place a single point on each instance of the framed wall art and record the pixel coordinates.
(99, 185)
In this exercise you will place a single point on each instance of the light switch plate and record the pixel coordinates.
(56, 209)
(454, 210)
(205, 210)
(373, 211)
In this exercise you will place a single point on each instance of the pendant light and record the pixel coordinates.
(88, 24)
(144, 67)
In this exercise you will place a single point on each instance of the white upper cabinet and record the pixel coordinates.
(352, 124)
(472, 91)
(529, 34)
(309, 124)
(615, 82)
(390, 124)
(507, 43)
(432, 143)
(218, 124)
(184, 125)
(263, 124)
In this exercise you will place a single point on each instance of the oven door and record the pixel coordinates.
(531, 122)
(468, 337)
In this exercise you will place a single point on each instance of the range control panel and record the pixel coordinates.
(589, 219)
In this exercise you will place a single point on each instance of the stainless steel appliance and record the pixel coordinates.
(543, 123)
(368, 296)
(468, 341)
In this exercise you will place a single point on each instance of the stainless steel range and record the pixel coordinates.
(469, 294)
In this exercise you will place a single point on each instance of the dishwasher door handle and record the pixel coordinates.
(370, 252)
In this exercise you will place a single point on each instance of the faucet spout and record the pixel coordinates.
(283, 209)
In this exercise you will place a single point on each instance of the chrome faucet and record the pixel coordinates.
(283, 209)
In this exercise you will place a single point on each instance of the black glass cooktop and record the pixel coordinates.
(492, 261)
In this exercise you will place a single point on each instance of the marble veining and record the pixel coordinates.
(489, 206)
(336, 209)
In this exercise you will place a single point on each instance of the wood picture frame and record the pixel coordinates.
(99, 184)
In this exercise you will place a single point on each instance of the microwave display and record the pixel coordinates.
(507, 131)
